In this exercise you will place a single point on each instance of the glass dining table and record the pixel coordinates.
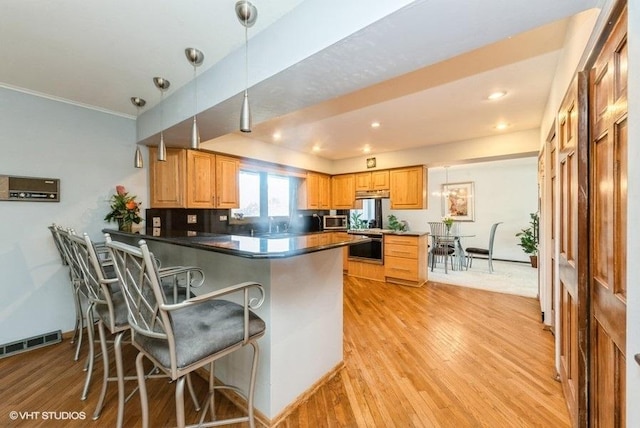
(449, 240)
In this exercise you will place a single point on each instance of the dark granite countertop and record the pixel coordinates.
(277, 245)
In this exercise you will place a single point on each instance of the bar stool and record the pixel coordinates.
(164, 333)
(106, 299)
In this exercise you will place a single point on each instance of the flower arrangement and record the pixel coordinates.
(448, 221)
(124, 209)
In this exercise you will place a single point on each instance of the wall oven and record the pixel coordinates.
(371, 252)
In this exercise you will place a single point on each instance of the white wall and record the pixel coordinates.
(505, 191)
(90, 152)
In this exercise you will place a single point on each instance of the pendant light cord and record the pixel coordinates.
(246, 54)
(161, 113)
(195, 113)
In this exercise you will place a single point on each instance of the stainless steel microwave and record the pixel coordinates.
(334, 222)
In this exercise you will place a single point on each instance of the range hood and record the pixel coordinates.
(372, 194)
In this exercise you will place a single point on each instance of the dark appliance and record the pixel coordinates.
(31, 189)
(370, 251)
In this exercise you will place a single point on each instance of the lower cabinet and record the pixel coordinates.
(405, 259)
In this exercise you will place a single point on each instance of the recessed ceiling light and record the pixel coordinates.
(366, 149)
(496, 95)
(277, 136)
(375, 124)
(315, 148)
(502, 125)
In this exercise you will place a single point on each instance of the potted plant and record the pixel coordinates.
(124, 209)
(529, 239)
(357, 222)
(395, 224)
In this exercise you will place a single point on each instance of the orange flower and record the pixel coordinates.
(124, 208)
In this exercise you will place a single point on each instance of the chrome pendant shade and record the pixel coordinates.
(162, 84)
(195, 58)
(247, 15)
(137, 159)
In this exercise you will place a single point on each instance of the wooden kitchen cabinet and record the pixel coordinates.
(193, 179)
(227, 182)
(373, 180)
(405, 259)
(314, 192)
(167, 179)
(408, 188)
(324, 192)
(343, 191)
(201, 179)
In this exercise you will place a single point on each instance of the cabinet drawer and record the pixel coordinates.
(400, 240)
(398, 250)
(398, 267)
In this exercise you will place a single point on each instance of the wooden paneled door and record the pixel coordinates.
(572, 305)
(608, 194)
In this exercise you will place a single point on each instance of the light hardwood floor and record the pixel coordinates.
(435, 356)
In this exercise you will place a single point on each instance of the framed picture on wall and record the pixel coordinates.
(458, 201)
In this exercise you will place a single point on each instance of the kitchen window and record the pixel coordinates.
(262, 195)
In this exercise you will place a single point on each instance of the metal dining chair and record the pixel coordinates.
(442, 246)
(164, 333)
(487, 253)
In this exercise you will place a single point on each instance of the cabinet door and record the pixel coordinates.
(324, 192)
(167, 179)
(343, 191)
(380, 180)
(227, 186)
(201, 179)
(408, 188)
(363, 181)
(313, 191)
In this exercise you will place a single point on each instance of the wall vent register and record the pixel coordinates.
(32, 189)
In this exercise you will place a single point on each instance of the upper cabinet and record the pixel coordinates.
(168, 183)
(408, 188)
(314, 192)
(193, 179)
(373, 180)
(343, 191)
(227, 182)
(201, 179)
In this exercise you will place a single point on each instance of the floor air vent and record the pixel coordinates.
(30, 343)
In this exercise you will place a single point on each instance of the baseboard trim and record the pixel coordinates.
(261, 419)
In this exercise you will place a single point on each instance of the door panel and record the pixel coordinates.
(572, 179)
(608, 193)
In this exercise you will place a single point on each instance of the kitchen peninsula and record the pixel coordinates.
(302, 278)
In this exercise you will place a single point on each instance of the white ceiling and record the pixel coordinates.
(428, 86)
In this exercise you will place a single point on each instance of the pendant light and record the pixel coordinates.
(445, 187)
(139, 103)
(162, 84)
(247, 15)
(195, 58)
